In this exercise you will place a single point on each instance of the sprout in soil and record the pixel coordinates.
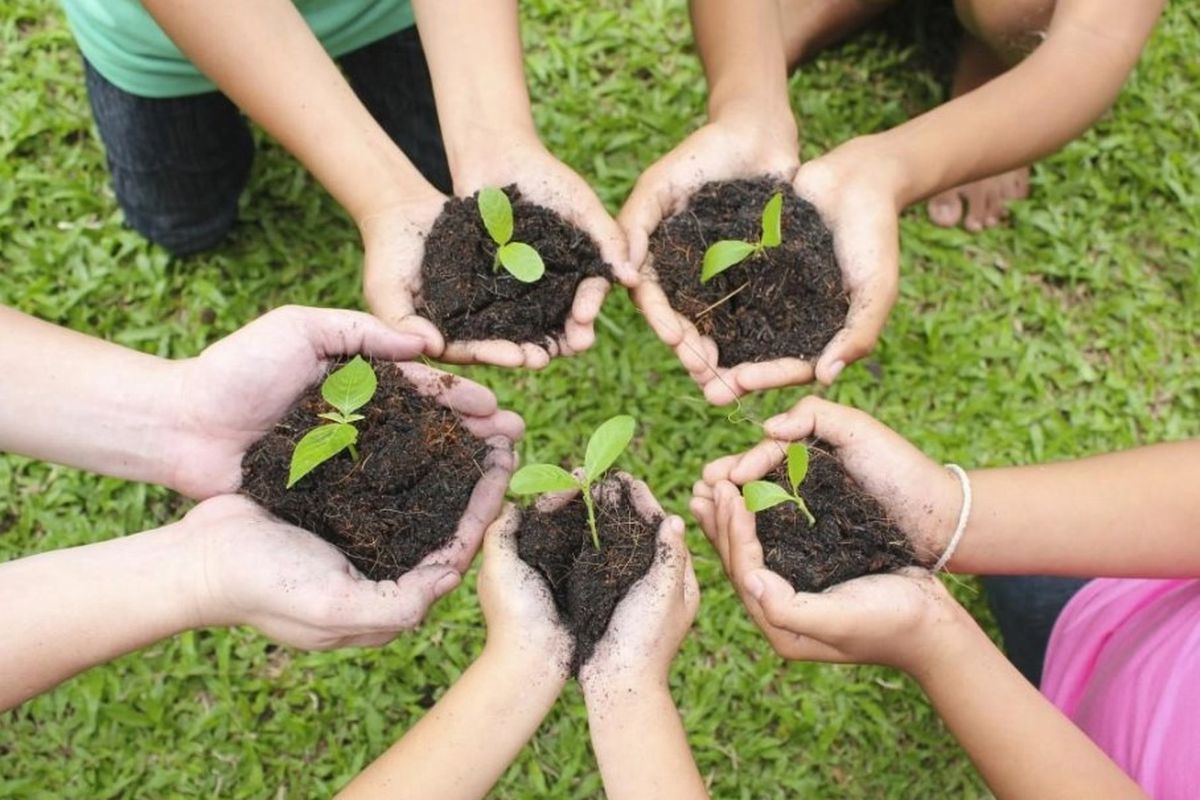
(761, 495)
(347, 390)
(728, 252)
(604, 448)
(521, 260)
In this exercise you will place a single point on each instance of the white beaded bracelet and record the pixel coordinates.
(963, 516)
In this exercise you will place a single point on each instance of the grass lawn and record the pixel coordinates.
(1071, 331)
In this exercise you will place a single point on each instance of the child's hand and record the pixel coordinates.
(546, 181)
(522, 623)
(652, 620)
(248, 568)
(896, 620)
(921, 497)
(856, 191)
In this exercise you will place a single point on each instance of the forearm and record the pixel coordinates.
(640, 744)
(485, 719)
(1032, 110)
(84, 402)
(475, 58)
(1128, 514)
(741, 47)
(69, 610)
(263, 56)
(1020, 743)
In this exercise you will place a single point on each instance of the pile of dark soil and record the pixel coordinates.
(587, 583)
(400, 501)
(851, 538)
(469, 300)
(787, 301)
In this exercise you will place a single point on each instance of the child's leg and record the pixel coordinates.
(1026, 608)
(178, 165)
(391, 78)
(810, 26)
(999, 34)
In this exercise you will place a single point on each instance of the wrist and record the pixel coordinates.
(611, 699)
(479, 154)
(946, 641)
(767, 123)
(542, 669)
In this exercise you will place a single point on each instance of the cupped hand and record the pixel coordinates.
(651, 621)
(393, 250)
(856, 190)
(522, 621)
(237, 389)
(894, 619)
(546, 181)
(251, 569)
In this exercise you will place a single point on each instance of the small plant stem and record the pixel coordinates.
(353, 453)
(803, 508)
(723, 299)
(591, 511)
(496, 260)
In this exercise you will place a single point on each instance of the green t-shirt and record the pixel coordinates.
(124, 43)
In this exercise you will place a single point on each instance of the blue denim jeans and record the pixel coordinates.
(1026, 608)
(180, 164)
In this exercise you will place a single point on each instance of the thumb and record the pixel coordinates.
(783, 607)
(402, 605)
(644, 209)
(500, 540)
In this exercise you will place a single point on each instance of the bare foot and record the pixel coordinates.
(982, 203)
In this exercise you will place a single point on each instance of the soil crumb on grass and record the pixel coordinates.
(400, 501)
(787, 301)
(851, 538)
(469, 299)
(587, 584)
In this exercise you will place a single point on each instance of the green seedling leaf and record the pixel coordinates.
(606, 446)
(337, 416)
(351, 387)
(540, 478)
(318, 446)
(522, 261)
(497, 214)
(772, 221)
(761, 495)
(723, 255)
(797, 464)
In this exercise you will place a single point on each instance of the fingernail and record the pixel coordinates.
(755, 586)
(836, 370)
(675, 526)
(446, 584)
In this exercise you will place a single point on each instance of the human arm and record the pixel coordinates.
(636, 730)
(496, 706)
(221, 565)
(1126, 514)
(909, 621)
(477, 65)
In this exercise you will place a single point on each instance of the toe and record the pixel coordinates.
(946, 209)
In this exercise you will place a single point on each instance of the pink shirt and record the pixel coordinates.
(1124, 664)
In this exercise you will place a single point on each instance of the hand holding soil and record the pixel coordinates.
(522, 622)
(251, 569)
(241, 386)
(488, 316)
(434, 454)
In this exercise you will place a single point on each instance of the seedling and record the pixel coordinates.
(346, 389)
(521, 260)
(604, 448)
(761, 495)
(729, 252)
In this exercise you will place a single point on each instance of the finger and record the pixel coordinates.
(726, 495)
(392, 303)
(650, 299)
(455, 392)
(823, 419)
(719, 470)
(869, 309)
(483, 506)
(534, 357)
(704, 509)
(500, 538)
(550, 502)
(336, 332)
(698, 354)
(589, 297)
(372, 607)
(758, 461)
(643, 500)
(702, 490)
(745, 550)
(819, 616)
(755, 377)
(647, 205)
(496, 352)
(577, 336)
(503, 424)
(691, 587)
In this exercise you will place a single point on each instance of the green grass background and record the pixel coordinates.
(1071, 331)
